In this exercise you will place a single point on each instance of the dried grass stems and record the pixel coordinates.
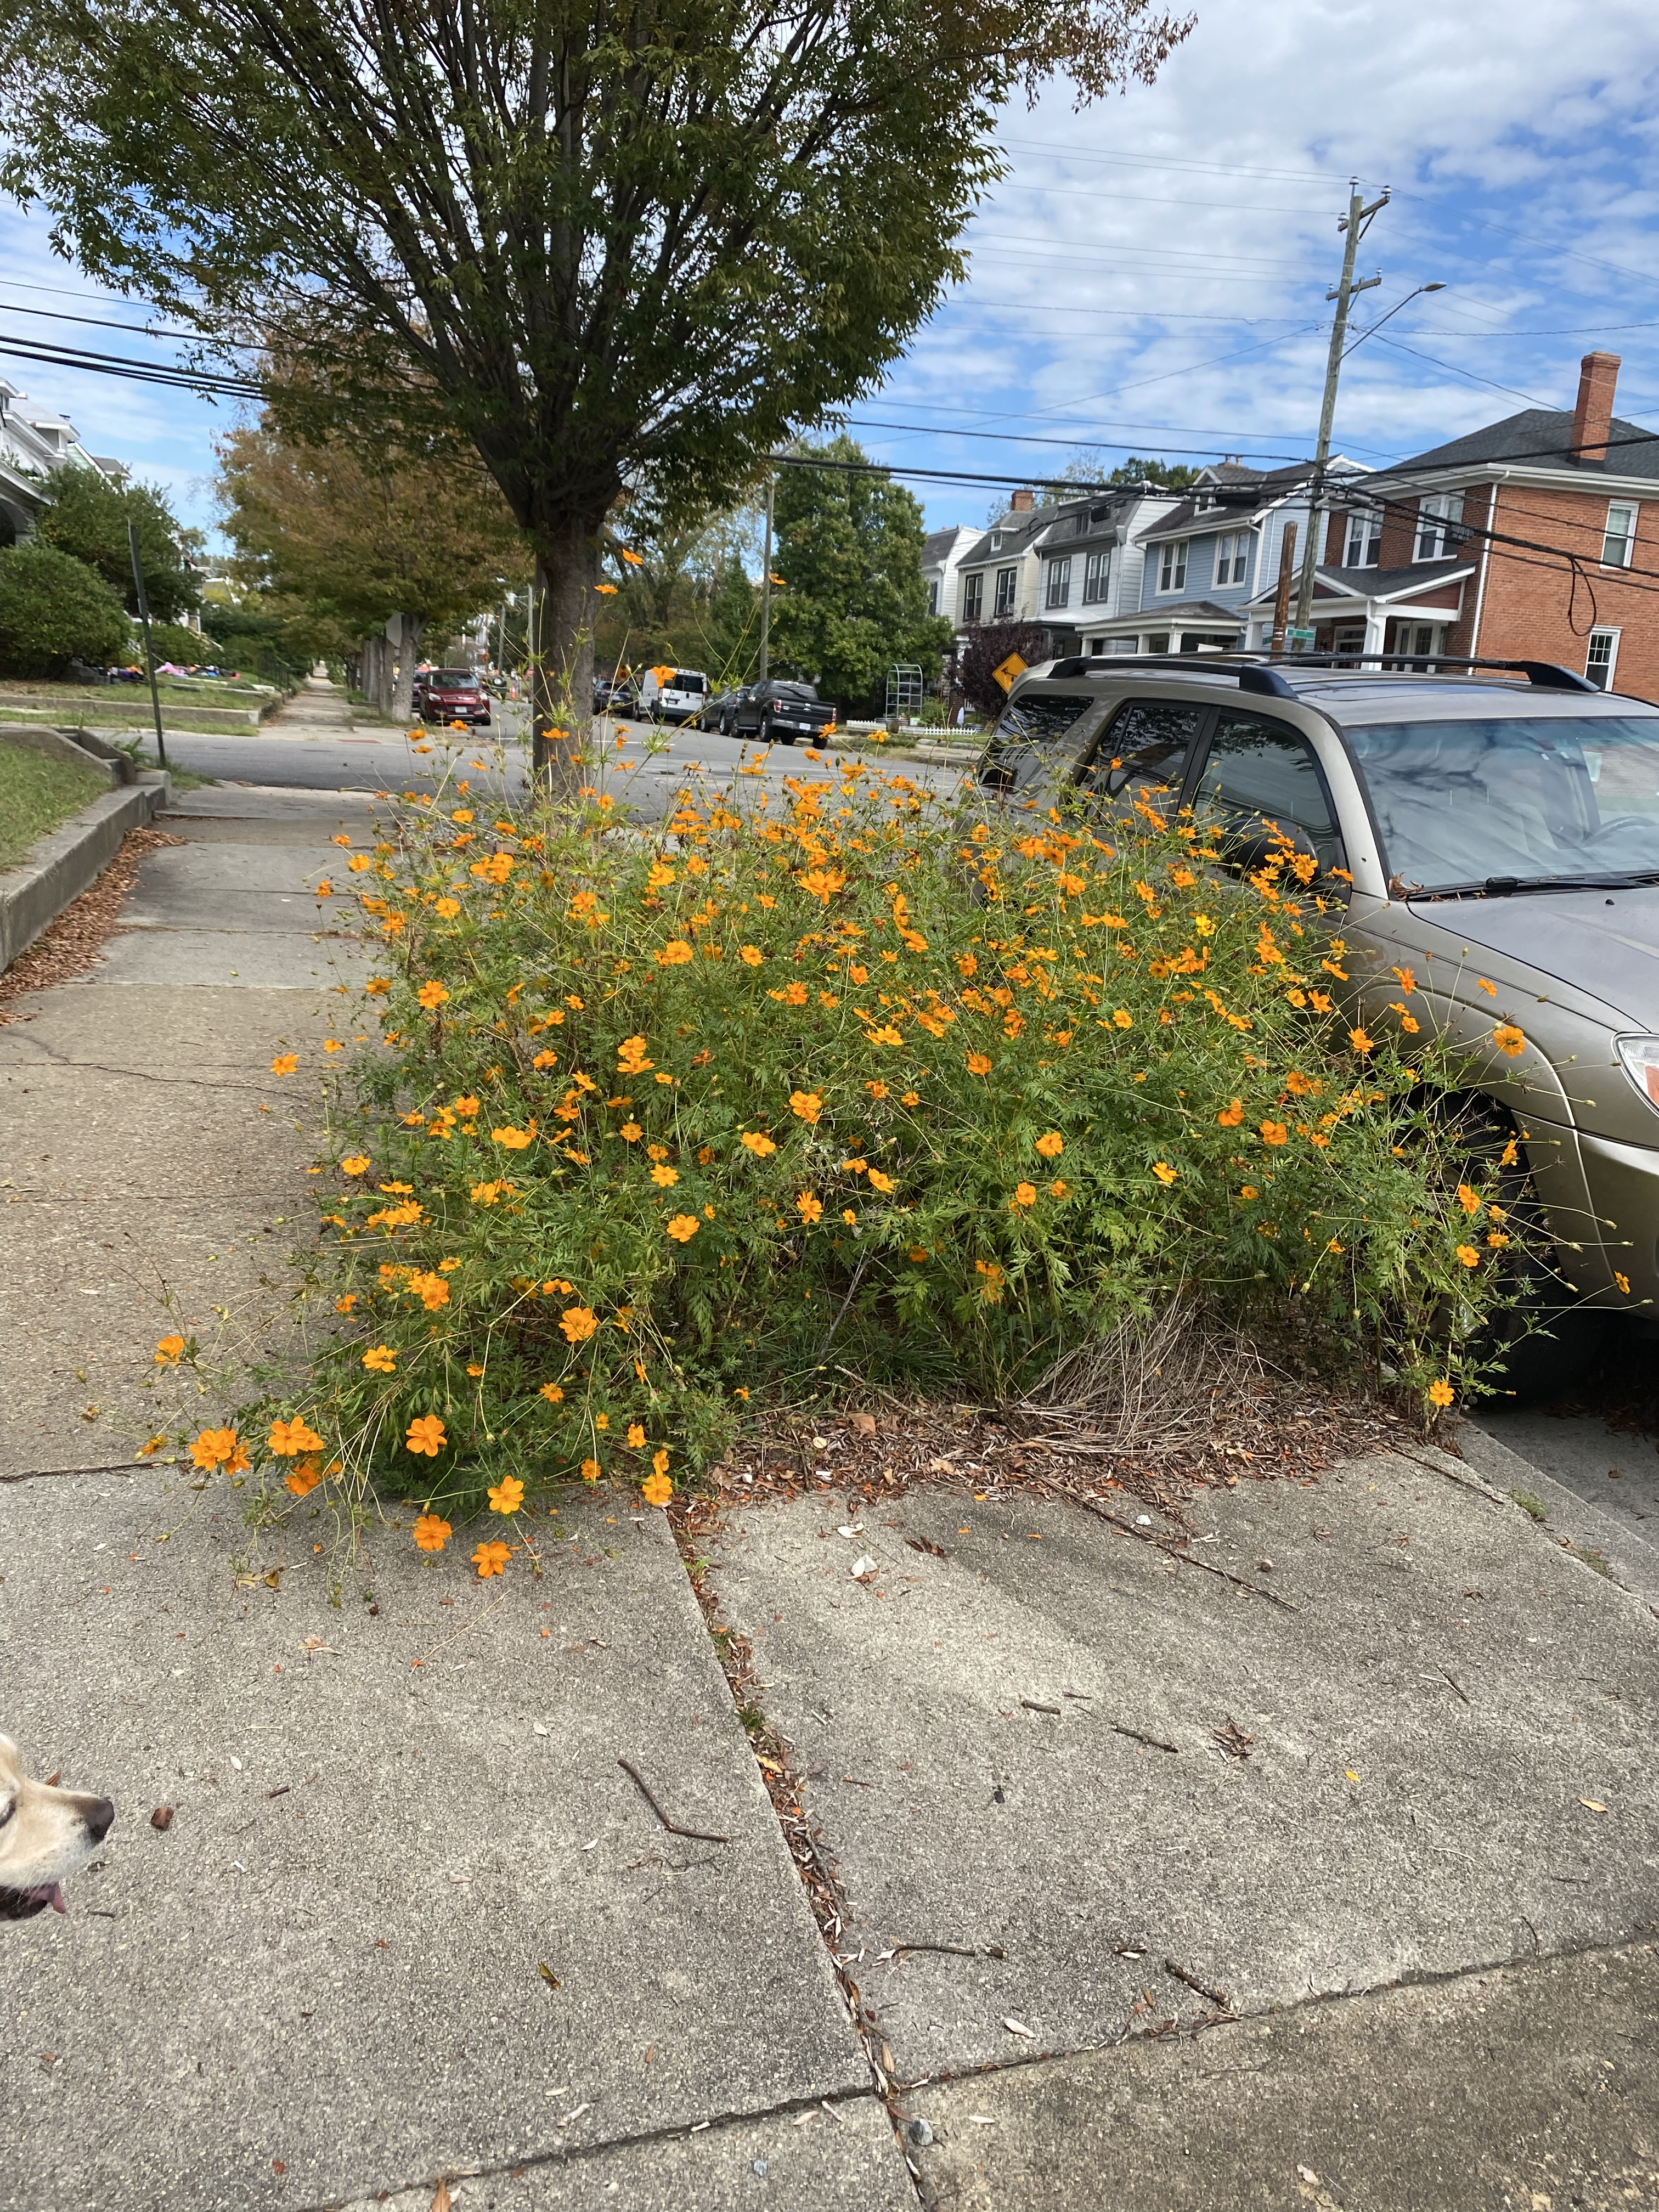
(69, 946)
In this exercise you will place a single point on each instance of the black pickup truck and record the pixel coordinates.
(780, 711)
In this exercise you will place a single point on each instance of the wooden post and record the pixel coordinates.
(1282, 597)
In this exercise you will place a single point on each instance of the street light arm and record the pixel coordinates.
(1394, 310)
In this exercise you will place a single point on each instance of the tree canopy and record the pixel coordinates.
(611, 246)
(855, 600)
(86, 516)
(357, 530)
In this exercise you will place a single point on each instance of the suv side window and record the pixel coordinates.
(1258, 772)
(1146, 748)
(1015, 757)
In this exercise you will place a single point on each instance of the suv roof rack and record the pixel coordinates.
(1257, 673)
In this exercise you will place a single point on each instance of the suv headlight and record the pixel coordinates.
(1641, 1057)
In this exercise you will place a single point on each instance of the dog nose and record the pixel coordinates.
(100, 1817)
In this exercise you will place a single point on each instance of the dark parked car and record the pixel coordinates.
(450, 694)
(780, 711)
(614, 695)
(720, 713)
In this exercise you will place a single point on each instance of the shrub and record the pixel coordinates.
(53, 610)
(988, 646)
(661, 1125)
(186, 648)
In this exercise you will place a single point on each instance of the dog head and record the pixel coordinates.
(45, 1834)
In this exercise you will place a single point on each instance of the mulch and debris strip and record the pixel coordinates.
(69, 946)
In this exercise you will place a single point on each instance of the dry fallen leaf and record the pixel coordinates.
(863, 1565)
(864, 1423)
(550, 1977)
(162, 1817)
(1590, 1805)
(441, 2199)
(1019, 2027)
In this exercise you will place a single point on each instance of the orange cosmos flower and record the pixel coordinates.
(379, 1359)
(578, 1323)
(219, 1448)
(285, 1063)
(636, 1434)
(758, 1145)
(432, 1532)
(590, 1470)
(1024, 1194)
(978, 1064)
(1509, 1039)
(684, 1227)
(663, 1177)
(426, 1435)
(1273, 1133)
(1164, 1171)
(1469, 1255)
(811, 1209)
(507, 1496)
(675, 953)
(355, 1163)
(1052, 1145)
(432, 995)
(289, 1439)
(1441, 1394)
(512, 1140)
(882, 1182)
(169, 1350)
(807, 1104)
(1231, 1114)
(491, 1559)
(304, 1478)
(656, 1490)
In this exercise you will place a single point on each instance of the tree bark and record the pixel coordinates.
(410, 630)
(562, 656)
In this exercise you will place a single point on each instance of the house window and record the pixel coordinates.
(1437, 538)
(1007, 591)
(1096, 576)
(1060, 583)
(1172, 567)
(1619, 541)
(1364, 546)
(1232, 558)
(973, 597)
(1602, 659)
(933, 596)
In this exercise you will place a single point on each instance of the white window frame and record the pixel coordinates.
(932, 595)
(1366, 531)
(973, 596)
(1232, 559)
(1624, 541)
(1436, 520)
(1097, 577)
(1007, 594)
(1057, 585)
(1603, 630)
(1172, 565)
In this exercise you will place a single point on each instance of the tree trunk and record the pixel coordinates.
(410, 629)
(562, 656)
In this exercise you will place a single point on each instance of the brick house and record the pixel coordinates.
(1582, 483)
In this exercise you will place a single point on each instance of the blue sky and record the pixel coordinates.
(1151, 275)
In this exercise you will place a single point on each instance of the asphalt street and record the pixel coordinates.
(644, 767)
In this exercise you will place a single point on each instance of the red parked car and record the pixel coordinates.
(450, 694)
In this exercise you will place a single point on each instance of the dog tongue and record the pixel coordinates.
(55, 1898)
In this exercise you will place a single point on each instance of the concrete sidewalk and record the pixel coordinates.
(1327, 1879)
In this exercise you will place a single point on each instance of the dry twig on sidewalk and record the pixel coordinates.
(697, 1835)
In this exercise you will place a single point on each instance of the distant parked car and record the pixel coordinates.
(673, 694)
(614, 695)
(450, 694)
(782, 710)
(720, 712)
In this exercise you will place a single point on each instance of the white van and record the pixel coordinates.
(672, 694)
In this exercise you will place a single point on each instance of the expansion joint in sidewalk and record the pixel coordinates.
(819, 1876)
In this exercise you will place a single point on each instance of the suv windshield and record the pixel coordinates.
(453, 679)
(1511, 802)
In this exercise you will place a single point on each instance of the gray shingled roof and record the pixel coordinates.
(1542, 438)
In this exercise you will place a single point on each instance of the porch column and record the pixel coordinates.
(1376, 623)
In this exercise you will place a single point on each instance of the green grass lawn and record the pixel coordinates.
(37, 793)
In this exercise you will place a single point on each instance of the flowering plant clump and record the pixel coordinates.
(866, 1082)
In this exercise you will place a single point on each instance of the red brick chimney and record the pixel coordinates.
(1598, 378)
(1022, 501)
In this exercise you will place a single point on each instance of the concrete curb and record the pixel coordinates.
(1631, 1561)
(69, 861)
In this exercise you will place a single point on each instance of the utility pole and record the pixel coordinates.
(149, 649)
(766, 588)
(1355, 223)
(1282, 596)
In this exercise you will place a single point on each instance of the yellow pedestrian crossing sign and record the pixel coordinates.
(1011, 668)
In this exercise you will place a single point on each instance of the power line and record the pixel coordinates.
(938, 475)
(142, 372)
(1175, 162)
(99, 322)
(1452, 369)
(1026, 438)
